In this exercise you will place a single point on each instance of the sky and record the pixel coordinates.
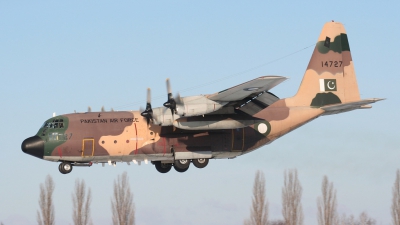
(61, 56)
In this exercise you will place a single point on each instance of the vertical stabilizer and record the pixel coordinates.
(330, 77)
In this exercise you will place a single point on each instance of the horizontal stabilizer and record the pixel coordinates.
(345, 107)
(241, 91)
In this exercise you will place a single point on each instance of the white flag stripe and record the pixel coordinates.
(321, 85)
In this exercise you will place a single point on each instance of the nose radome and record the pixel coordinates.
(33, 146)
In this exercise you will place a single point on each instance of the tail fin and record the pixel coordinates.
(330, 77)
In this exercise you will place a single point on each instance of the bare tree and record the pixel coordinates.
(327, 214)
(122, 205)
(344, 220)
(292, 210)
(259, 208)
(364, 219)
(81, 204)
(46, 214)
(277, 222)
(396, 200)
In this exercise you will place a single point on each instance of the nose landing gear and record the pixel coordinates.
(65, 167)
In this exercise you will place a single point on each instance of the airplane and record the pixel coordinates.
(194, 129)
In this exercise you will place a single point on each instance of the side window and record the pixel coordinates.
(62, 137)
(57, 137)
(53, 136)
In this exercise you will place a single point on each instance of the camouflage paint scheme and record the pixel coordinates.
(329, 86)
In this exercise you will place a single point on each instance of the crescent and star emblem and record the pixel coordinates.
(329, 85)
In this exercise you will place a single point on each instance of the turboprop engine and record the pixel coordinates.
(197, 106)
(179, 107)
(185, 107)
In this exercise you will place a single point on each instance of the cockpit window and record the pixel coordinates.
(54, 124)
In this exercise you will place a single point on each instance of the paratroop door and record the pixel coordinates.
(87, 147)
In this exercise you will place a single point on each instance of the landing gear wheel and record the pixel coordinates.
(182, 165)
(200, 163)
(65, 167)
(180, 170)
(163, 167)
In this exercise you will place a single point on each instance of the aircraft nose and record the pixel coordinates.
(33, 146)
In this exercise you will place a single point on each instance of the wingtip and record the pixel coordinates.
(273, 77)
(379, 99)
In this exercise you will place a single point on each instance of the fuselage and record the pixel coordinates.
(126, 136)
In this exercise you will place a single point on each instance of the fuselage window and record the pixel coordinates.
(53, 136)
(57, 137)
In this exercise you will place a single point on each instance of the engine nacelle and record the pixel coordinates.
(186, 107)
(197, 106)
(162, 116)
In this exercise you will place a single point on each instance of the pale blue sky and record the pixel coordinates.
(61, 56)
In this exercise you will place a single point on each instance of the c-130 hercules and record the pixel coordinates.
(195, 129)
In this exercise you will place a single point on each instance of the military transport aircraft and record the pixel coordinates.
(194, 129)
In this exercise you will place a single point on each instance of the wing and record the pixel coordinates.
(244, 90)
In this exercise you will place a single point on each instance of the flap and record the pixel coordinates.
(241, 91)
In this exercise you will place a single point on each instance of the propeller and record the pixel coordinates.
(148, 112)
(178, 99)
(171, 103)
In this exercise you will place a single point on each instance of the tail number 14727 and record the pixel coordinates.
(331, 63)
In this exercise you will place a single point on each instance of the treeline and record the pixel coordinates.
(292, 211)
(123, 209)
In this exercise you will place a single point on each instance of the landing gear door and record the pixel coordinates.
(87, 147)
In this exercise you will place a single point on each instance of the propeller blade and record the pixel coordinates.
(169, 90)
(148, 112)
(148, 95)
(170, 103)
(178, 99)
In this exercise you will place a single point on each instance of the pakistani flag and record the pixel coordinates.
(327, 85)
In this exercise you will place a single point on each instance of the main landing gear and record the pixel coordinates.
(180, 165)
(163, 167)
